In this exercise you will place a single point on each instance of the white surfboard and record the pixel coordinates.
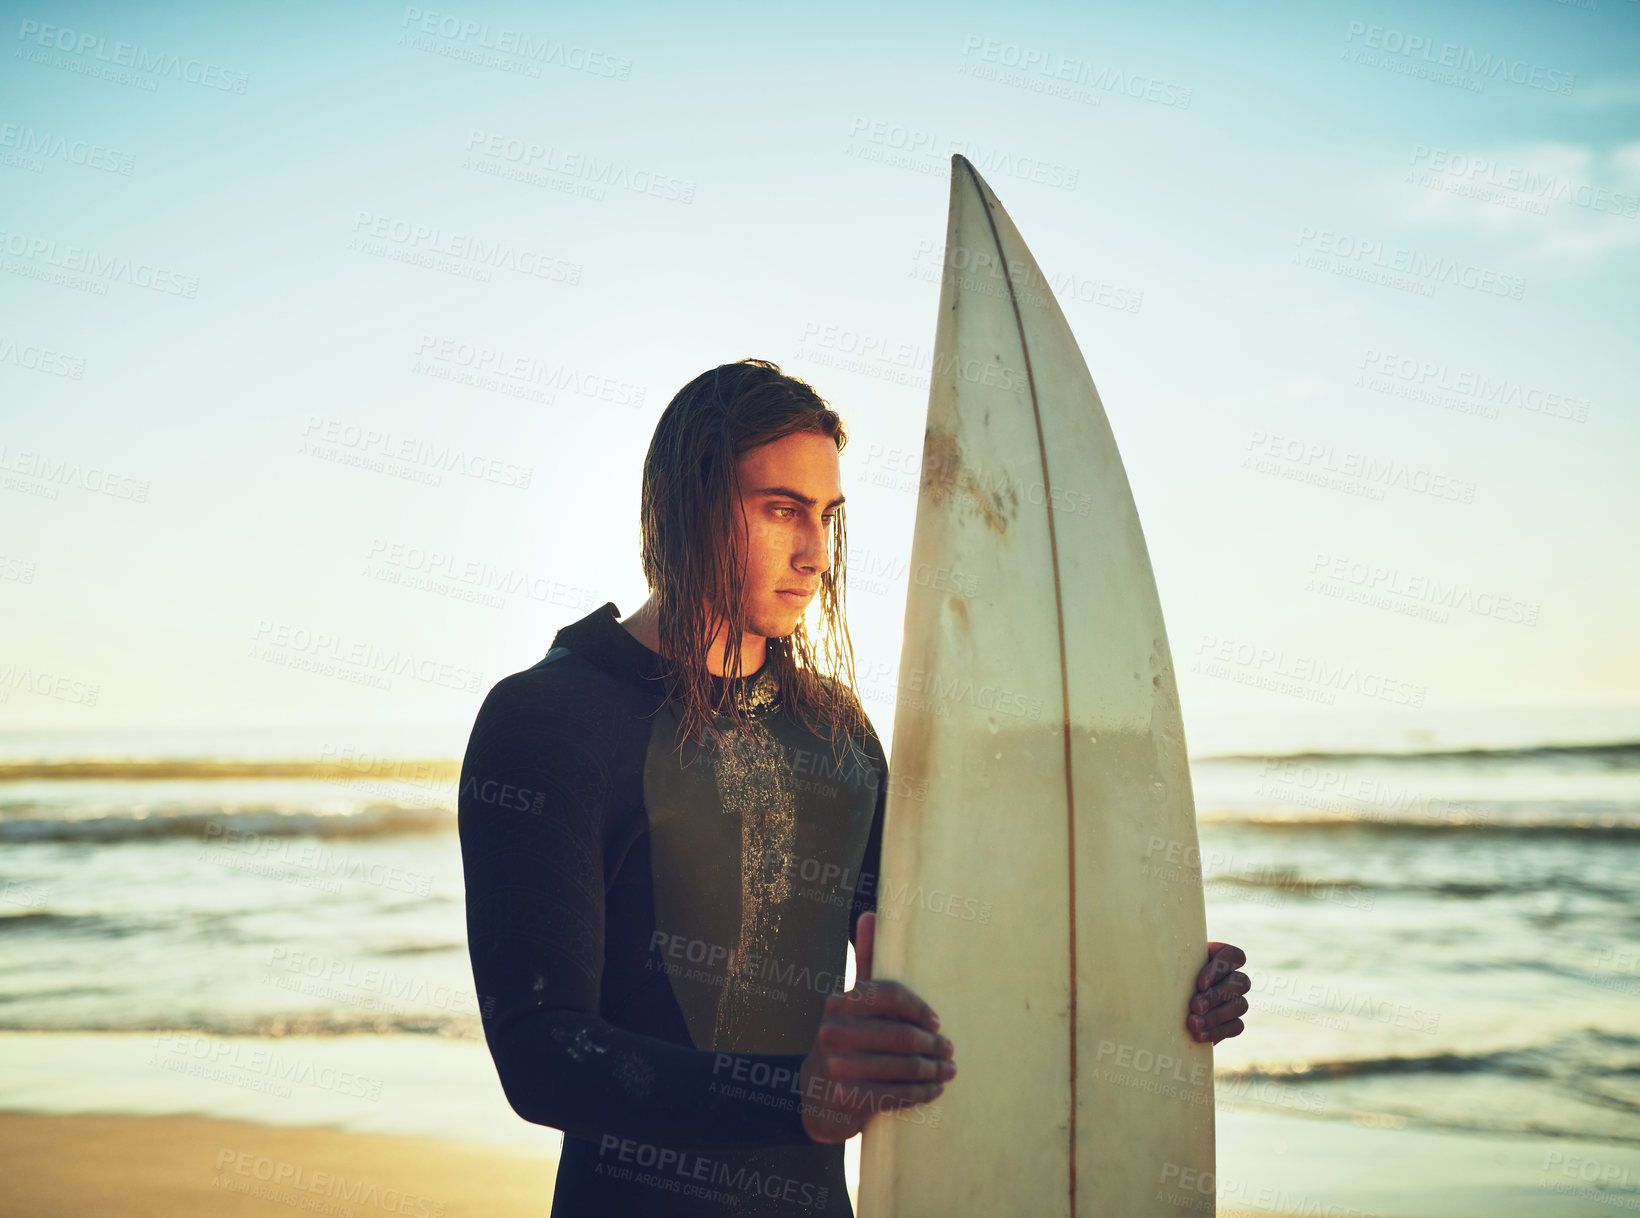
(1041, 884)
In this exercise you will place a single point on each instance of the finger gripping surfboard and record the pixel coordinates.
(1041, 882)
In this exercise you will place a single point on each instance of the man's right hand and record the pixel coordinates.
(878, 1048)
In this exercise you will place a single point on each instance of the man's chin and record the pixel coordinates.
(777, 625)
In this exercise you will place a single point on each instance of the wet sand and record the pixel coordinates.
(185, 1166)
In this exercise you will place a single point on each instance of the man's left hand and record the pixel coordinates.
(1216, 1008)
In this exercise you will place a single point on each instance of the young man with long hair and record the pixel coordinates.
(671, 825)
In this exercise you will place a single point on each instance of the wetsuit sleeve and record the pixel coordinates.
(534, 813)
(865, 889)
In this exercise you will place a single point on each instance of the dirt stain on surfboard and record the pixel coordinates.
(949, 479)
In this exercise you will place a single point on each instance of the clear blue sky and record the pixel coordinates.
(250, 253)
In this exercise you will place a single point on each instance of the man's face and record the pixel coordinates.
(790, 490)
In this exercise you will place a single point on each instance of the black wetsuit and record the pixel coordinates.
(653, 940)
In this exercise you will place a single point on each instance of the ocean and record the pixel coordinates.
(1443, 939)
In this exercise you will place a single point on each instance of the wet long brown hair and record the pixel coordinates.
(687, 528)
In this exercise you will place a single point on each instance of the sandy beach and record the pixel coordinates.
(182, 1166)
(62, 1165)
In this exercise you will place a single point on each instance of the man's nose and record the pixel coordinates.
(815, 551)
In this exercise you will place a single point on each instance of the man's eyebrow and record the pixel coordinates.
(788, 493)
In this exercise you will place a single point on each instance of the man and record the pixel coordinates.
(670, 825)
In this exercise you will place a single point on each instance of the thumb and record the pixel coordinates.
(865, 934)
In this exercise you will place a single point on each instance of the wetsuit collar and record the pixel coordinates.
(600, 638)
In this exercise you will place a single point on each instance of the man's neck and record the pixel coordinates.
(644, 625)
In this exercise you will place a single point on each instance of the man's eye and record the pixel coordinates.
(826, 519)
